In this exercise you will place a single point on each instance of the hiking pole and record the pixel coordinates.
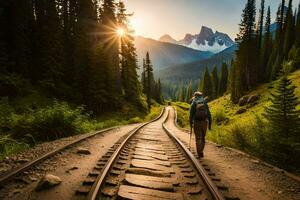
(191, 137)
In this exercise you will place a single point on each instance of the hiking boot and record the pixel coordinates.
(201, 155)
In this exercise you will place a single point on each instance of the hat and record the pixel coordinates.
(198, 94)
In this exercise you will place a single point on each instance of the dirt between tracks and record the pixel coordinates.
(71, 167)
(245, 177)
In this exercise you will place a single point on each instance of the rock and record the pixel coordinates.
(83, 151)
(255, 161)
(279, 192)
(241, 111)
(33, 179)
(253, 99)
(219, 145)
(48, 181)
(243, 101)
(292, 190)
(73, 168)
(16, 191)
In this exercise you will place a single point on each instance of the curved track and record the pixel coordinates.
(12, 173)
(151, 163)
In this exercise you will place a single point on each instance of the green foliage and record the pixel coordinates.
(220, 116)
(282, 113)
(182, 114)
(223, 85)
(250, 131)
(13, 85)
(238, 137)
(207, 88)
(10, 146)
(151, 88)
(50, 123)
(215, 82)
(266, 49)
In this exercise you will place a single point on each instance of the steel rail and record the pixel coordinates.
(7, 176)
(207, 181)
(100, 179)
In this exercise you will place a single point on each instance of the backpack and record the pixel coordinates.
(201, 112)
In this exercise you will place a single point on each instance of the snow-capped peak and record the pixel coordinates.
(206, 40)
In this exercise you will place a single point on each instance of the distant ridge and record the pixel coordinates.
(164, 54)
(206, 40)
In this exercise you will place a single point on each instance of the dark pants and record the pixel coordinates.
(200, 128)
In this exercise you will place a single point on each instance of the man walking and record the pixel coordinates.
(200, 119)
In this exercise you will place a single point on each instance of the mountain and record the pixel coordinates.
(193, 70)
(167, 38)
(206, 40)
(164, 54)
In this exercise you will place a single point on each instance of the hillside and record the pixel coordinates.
(241, 131)
(166, 54)
(193, 70)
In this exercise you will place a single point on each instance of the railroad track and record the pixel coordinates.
(151, 163)
(14, 172)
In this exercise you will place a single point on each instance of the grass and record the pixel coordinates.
(248, 131)
(22, 127)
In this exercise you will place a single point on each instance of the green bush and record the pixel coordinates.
(9, 146)
(50, 123)
(135, 120)
(220, 117)
(238, 136)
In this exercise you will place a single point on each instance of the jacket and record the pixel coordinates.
(193, 109)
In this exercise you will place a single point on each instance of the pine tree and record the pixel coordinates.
(297, 32)
(149, 79)
(282, 114)
(294, 54)
(189, 92)
(144, 78)
(260, 52)
(266, 50)
(68, 12)
(215, 82)
(244, 74)
(246, 54)
(289, 32)
(261, 24)
(278, 56)
(236, 87)
(207, 88)
(159, 97)
(4, 63)
(284, 123)
(111, 49)
(19, 32)
(83, 42)
(49, 48)
(129, 77)
(223, 84)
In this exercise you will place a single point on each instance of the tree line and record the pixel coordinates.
(212, 85)
(263, 57)
(151, 88)
(262, 54)
(69, 50)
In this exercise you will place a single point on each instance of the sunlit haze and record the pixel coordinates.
(154, 18)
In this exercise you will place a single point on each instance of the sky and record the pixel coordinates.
(154, 18)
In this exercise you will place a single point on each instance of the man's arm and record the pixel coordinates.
(192, 113)
(208, 116)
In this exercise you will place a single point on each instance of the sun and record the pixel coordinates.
(120, 32)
